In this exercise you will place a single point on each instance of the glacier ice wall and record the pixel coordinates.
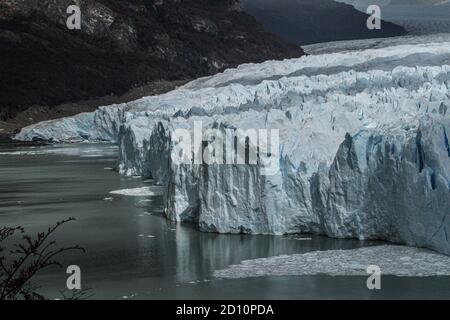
(364, 145)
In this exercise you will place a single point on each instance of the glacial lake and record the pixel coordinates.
(133, 252)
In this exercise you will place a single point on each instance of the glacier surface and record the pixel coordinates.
(364, 145)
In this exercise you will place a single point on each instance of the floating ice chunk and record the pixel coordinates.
(145, 214)
(146, 236)
(140, 192)
(393, 260)
(94, 155)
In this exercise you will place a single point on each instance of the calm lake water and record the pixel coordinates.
(133, 252)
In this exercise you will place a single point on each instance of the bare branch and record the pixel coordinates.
(28, 258)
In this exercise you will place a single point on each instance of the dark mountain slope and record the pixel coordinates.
(121, 45)
(312, 21)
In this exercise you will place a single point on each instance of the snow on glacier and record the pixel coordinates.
(364, 145)
(393, 260)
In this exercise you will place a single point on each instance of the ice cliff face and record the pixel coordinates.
(364, 145)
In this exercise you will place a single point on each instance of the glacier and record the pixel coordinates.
(364, 145)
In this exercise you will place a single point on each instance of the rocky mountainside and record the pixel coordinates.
(121, 45)
(313, 21)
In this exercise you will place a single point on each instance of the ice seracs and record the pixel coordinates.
(364, 145)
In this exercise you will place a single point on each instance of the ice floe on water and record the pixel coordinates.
(146, 236)
(145, 214)
(393, 260)
(131, 296)
(139, 192)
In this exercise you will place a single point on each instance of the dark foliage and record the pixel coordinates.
(20, 262)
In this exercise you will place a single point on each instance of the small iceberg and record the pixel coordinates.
(146, 236)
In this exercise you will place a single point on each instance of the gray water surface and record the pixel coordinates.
(133, 252)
